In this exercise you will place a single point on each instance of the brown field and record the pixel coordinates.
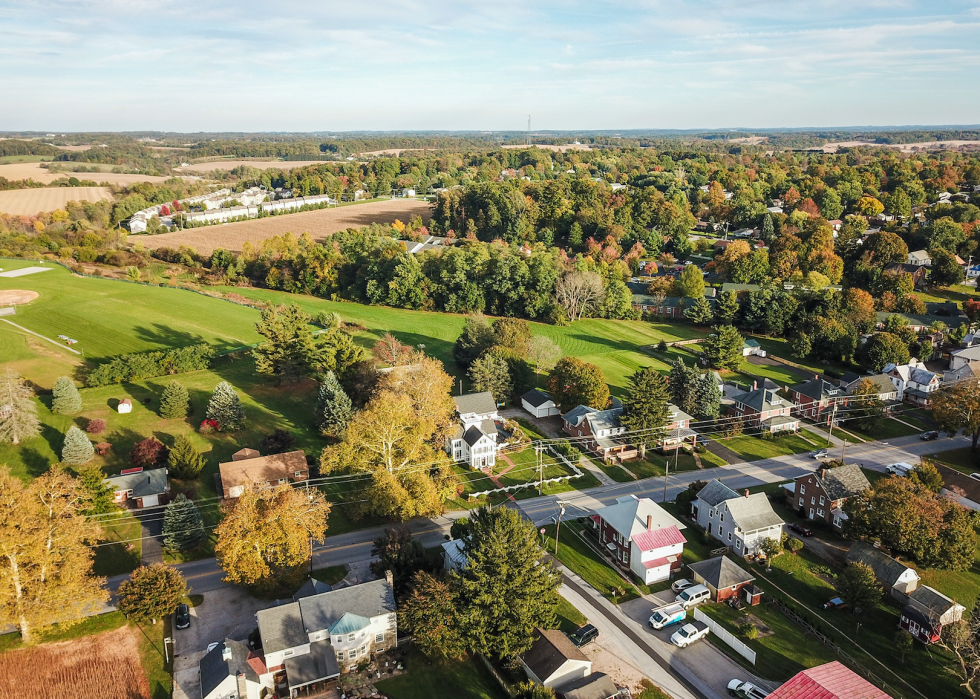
(34, 171)
(104, 666)
(74, 148)
(557, 149)
(389, 151)
(904, 147)
(749, 140)
(260, 164)
(15, 297)
(318, 224)
(28, 202)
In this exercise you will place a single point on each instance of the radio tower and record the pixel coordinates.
(527, 138)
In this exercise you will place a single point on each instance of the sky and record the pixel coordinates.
(177, 65)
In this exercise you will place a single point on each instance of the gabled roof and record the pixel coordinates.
(918, 255)
(829, 681)
(550, 650)
(720, 572)
(317, 665)
(148, 482)
(842, 482)
(761, 399)
(479, 403)
(886, 568)
(366, 600)
(215, 669)
(575, 416)
(311, 587)
(932, 602)
(882, 382)
(753, 512)
(598, 685)
(282, 627)
(716, 492)
(970, 353)
(473, 435)
(629, 517)
(262, 469)
(536, 398)
(658, 538)
(818, 389)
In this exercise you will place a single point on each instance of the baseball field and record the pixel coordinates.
(28, 202)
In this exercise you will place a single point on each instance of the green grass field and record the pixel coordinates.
(7, 159)
(426, 678)
(753, 448)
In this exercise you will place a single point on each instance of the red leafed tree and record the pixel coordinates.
(808, 206)
(972, 309)
(388, 350)
(165, 210)
(148, 452)
(175, 205)
(791, 197)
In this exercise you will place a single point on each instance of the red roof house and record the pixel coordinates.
(829, 681)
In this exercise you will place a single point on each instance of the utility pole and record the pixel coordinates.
(561, 505)
(842, 450)
(540, 461)
(833, 421)
(677, 454)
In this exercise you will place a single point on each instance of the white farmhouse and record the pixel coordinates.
(740, 522)
(475, 440)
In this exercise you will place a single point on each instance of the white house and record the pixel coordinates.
(913, 381)
(228, 671)
(742, 522)
(962, 357)
(642, 537)
(920, 258)
(552, 660)
(752, 347)
(539, 403)
(475, 440)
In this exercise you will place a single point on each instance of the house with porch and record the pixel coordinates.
(139, 488)
(821, 495)
(763, 407)
(883, 387)
(815, 399)
(927, 612)
(597, 431)
(474, 441)
(913, 381)
(249, 466)
(641, 537)
(741, 522)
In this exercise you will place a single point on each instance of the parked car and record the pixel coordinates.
(667, 615)
(746, 690)
(679, 585)
(800, 529)
(183, 617)
(212, 646)
(688, 634)
(899, 468)
(834, 603)
(693, 596)
(584, 636)
(819, 454)
(929, 436)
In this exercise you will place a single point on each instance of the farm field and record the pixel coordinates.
(199, 168)
(34, 171)
(104, 666)
(319, 224)
(28, 202)
(557, 149)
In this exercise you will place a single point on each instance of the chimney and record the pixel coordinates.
(755, 385)
(389, 577)
(746, 492)
(225, 653)
(816, 376)
(649, 522)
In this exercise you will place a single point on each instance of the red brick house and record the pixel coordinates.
(763, 407)
(641, 537)
(822, 494)
(815, 399)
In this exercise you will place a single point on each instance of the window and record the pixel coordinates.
(711, 513)
(802, 489)
(352, 654)
(340, 639)
(729, 536)
(801, 502)
(298, 474)
(363, 650)
(721, 516)
(837, 521)
(819, 513)
(351, 637)
(379, 638)
(341, 657)
(813, 500)
(738, 545)
(821, 500)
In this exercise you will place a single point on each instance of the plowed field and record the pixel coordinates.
(28, 202)
(34, 171)
(318, 224)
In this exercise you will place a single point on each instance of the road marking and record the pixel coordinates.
(53, 342)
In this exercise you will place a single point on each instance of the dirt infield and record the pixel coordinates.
(260, 164)
(34, 171)
(104, 666)
(318, 224)
(28, 202)
(15, 297)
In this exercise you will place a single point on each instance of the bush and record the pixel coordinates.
(148, 452)
(279, 442)
(794, 545)
(662, 346)
(96, 426)
(132, 367)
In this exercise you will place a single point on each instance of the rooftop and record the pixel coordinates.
(550, 650)
(149, 482)
(721, 572)
(886, 568)
(253, 468)
(479, 403)
(629, 517)
(829, 681)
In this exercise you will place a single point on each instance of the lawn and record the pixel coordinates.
(753, 448)
(569, 618)
(441, 677)
(890, 429)
(653, 464)
(157, 664)
(330, 575)
(116, 558)
(86, 627)
(965, 460)
(578, 556)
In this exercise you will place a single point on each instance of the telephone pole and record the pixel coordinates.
(561, 513)
(527, 136)
(833, 421)
(540, 460)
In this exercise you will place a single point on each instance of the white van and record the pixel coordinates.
(899, 469)
(693, 596)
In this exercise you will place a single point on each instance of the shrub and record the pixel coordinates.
(132, 367)
(662, 346)
(147, 452)
(209, 426)
(96, 426)
(794, 545)
(279, 442)
(184, 461)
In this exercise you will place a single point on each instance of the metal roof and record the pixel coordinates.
(829, 681)
(716, 492)
(629, 516)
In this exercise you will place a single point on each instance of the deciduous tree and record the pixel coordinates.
(867, 409)
(578, 293)
(390, 351)
(147, 452)
(476, 338)
(957, 407)
(18, 419)
(883, 348)
(691, 282)
(543, 353)
(152, 592)
(574, 382)
(65, 398)
(858, 586)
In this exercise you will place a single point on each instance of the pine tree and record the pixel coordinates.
(225, 408)
(100, 496)
(700, 312)
(174, 402)
(183, 527)
(18, 411)
(683, 380)
(723, 348)
(66, 398)
(333, 407)
(77, 448)
(707, 397)
(491, 373)
(184, 460)
(726, 308)
(768, 230)
(646, 407)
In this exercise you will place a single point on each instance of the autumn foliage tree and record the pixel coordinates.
(390, 351)
(957, 407)
(265, 538)
(45, 553)
(148, 452)
(574, 382)
(152, 592)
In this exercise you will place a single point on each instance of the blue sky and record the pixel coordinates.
(290, 66)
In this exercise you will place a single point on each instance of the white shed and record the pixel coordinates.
(539, 404)
(125, 406)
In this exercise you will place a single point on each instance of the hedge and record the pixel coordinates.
(145, 365)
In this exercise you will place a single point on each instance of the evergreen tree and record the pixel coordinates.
(77, 448)
(333, 407)
(183, 527)
(768, 232)
(99, 495)
(66, 400)
(575, 236)
(226, 408)
(700, 312)
(726, 308)
(646, 405)
(682, 385)
(184, 461)
(723, 348)
(18, 416)
(707, 397)
(152, 592)
(290, 350)
(476, 338)
(491, 373)
(506, 589)
(175, 402)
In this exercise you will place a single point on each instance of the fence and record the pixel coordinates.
(726, 636)
(547, 481)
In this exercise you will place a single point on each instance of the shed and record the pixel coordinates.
(897, 578)
(553, 660)
(125, 406)
(598, 685)
(721, 576)
(539, 403)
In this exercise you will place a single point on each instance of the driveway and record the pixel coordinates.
(228, 612)
(151, 525)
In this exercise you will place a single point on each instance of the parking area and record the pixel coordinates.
(225, 613)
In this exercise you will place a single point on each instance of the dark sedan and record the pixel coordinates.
(929, 436)
(800, 529)
(183, 617)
